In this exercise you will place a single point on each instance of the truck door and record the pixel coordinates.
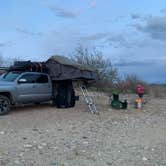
(36, 88)
(43, 88)
(27, 88)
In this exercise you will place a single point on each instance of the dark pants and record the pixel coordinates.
(140, 95)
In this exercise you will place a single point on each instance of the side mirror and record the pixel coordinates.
(22, 80)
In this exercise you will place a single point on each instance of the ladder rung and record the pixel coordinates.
(88, 99)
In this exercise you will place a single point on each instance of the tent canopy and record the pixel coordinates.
(68, 62)
(62, 68)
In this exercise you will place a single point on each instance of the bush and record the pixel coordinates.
(95, 59)
(129, 84)
(109, 80)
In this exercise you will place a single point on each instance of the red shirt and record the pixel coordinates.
(140, 89)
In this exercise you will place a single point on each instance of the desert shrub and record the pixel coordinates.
(109, 80)
(157, 90)
(129, 84)
(106, 86)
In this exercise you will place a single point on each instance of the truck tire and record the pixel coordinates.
(65, 95)
(72, 101)
(4, 105)
(65, 100)
(60, 101)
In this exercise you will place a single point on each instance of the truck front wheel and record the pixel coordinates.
(4, 105)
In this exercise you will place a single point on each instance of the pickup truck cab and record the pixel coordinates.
(18, 87)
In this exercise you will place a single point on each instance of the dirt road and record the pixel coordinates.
(46, 136)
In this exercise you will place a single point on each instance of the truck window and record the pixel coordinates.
(42, 79)
(35, 78)
(31, 78)
(11, 76)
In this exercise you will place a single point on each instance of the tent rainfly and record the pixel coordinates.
(62, 68)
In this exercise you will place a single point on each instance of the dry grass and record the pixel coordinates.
(43, 135)
(157, 90)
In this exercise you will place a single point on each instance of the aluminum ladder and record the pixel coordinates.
(89, 100)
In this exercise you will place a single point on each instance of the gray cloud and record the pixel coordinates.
(149, 71)
(128, 40)
(3, 44)
(155, 27)
(60, 12)
(134, 63)
(27, 32)
(124, 40)
(6, 44)
(61, 42)
(108, 38)
(93, 4)
(115, 40)
(163, 11)
(135, 16)
(95, 37)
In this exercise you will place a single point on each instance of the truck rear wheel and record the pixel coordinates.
(4, 105)
(72, 99)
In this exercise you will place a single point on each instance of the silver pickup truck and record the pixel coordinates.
(18, 87)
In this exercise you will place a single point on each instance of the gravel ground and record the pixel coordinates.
(46, 136)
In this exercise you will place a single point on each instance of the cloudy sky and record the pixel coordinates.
(132, 33)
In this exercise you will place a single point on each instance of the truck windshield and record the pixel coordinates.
(11, 76)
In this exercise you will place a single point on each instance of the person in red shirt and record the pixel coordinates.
(140, 90)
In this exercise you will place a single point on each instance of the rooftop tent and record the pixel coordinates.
(62, 68)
